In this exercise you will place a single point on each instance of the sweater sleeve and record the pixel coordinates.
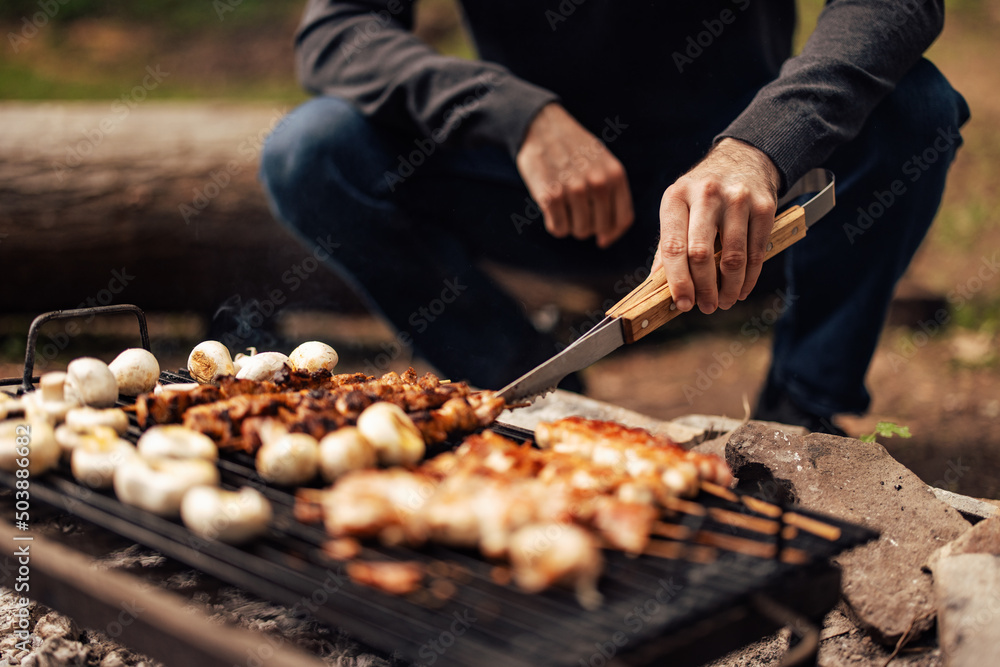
(364, 51)
(821, 98)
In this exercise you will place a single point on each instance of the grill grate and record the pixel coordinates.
(483, 622)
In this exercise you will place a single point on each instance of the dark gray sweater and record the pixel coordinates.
(656, 64)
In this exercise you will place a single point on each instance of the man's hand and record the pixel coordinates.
(579, 185)
(732, 194)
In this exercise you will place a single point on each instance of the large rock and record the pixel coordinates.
(967, 586)
(884, 584)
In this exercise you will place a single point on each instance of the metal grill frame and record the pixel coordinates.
(653, 607)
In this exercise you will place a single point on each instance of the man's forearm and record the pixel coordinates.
(363, 51)
(821, 99)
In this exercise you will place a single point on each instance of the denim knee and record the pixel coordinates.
(323, 146)
(919, 122)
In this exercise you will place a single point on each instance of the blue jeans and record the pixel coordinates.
(408, 223)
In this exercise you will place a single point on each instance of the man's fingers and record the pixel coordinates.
(673, 249)
(622, 211)
(556, 216)
(761, 222)
(733, 258)
(602, 206)
(704, 227)
(581, 214)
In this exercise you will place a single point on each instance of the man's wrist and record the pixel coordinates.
(742, 152)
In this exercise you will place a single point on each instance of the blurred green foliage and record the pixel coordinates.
(169, 14)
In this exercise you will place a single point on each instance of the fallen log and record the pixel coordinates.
(154, 203)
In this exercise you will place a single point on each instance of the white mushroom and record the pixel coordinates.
(344, 450)
(227, 516)
(136, 371)
(95, 459)
(263, 367)
(159, 485)
(69, 438)
(50, 402)
(176, 442)
(286, 458)
(209, 361)
(81, 419)
(9, 405)
(90, 382)
(176, 387)
(28, 442)
(313, 356)
(393, 434)
(241, 359)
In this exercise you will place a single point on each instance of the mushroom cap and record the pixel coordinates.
(94, 460)
(210, 360)
(90, 382)
(81, 419)
(176, 442)
(262, 367)
(69, 438)
(159, 485)
(241, 359)
(228, 516)
(390, 430)
(50, 402)
(313, 356)
(40, 440)
(289, 459)
(344, 450)
(136, 370)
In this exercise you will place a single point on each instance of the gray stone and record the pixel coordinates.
(54, 624)
(982, 538)
(972, 509)
(885, 586)
(967, 587)
(61, 652)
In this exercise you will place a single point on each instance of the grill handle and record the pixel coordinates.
(36, 324)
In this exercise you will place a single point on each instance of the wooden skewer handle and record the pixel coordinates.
(650, 305)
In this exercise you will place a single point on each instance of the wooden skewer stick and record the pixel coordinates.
(761, 507)
(794, 556)
(810, 525)
(684, 506)
(737, 520)
(737, 544)
(720, 491)
(671, 530)
(679, 551)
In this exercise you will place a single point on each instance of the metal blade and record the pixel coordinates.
(820, 181)
(604, 338)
